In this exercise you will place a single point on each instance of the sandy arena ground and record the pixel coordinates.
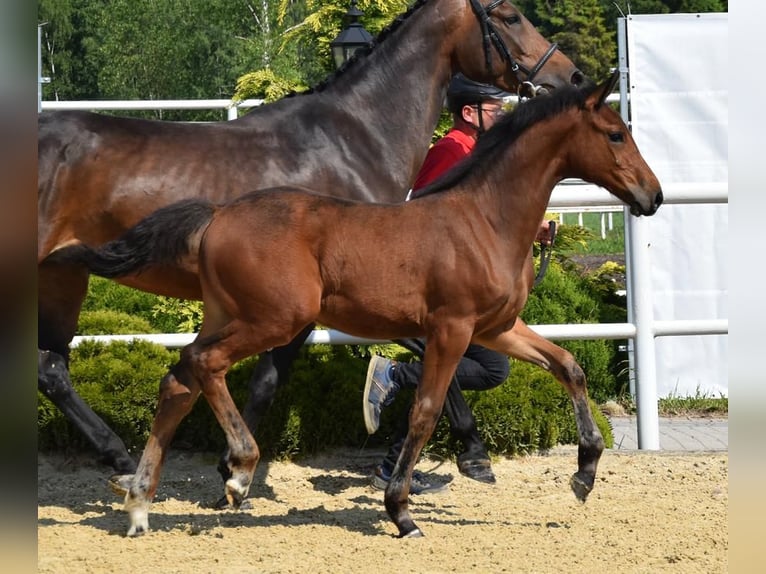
(649, 513)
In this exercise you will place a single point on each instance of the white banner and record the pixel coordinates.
(679, 112)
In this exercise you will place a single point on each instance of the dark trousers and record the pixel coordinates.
(480, 369)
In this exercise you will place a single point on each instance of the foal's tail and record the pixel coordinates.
(162, 238)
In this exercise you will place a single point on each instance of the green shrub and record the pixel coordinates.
(120, 381)
(106, 294)
(163, 314)
(110, 322)
(571, 297)
(178, 315)
(320, 407)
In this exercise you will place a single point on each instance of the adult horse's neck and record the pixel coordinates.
(406, 75)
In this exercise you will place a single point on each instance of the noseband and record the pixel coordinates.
(526, 88)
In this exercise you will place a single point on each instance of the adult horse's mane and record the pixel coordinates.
(362, 52)
(506, 131)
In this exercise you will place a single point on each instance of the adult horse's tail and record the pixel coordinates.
(162, 238)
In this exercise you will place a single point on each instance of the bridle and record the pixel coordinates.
(527, 87)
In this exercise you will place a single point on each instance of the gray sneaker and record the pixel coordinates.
(420, 483)
(379, 391)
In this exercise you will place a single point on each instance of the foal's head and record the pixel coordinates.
(574, 127)
(604, 152)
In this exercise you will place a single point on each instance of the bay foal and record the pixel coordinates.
(273, 261)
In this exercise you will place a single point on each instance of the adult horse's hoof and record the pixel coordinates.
(580, 487)
(120, 483)
(415, 533)
(477, 469)
(223, 504)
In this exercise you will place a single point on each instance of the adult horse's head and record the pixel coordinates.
(515, 56)
(628, 177)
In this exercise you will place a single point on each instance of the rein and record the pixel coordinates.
(527, 88)
(489, 34)
(545, 254)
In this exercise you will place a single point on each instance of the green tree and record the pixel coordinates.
(691, 6)
(171, 49)
(578, 26)
(143, 49)
(325, 19)
(63, 58)
(308, 28)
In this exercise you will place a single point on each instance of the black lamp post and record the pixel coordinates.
(351, 39)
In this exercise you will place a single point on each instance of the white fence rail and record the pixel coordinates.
(232, 107)
(553, 332)
(569, 196)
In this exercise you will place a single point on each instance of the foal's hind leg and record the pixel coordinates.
(211, 361)
(202, 367)
(523, 343)
(178, 392)
(271, 372)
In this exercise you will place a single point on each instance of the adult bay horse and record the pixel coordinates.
(304, 258)
(362, 134)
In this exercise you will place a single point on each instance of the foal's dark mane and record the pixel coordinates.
(362, 53)
(506, 131)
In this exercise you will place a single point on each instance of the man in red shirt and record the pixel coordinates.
(474, 107)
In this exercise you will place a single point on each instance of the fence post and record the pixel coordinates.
(640, 287)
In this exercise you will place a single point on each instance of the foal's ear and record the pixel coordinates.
(602, 92)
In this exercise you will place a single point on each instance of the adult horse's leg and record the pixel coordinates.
(60, 295)
(523, 343)
(463, 427)
(54, 382)
(443, 352)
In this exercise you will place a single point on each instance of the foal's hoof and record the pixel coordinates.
(120, 483)
(224, 504)
(139, 518)
(136, 531)
(580, 487)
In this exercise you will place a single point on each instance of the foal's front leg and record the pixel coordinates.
(442, 355)
(523, 343)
